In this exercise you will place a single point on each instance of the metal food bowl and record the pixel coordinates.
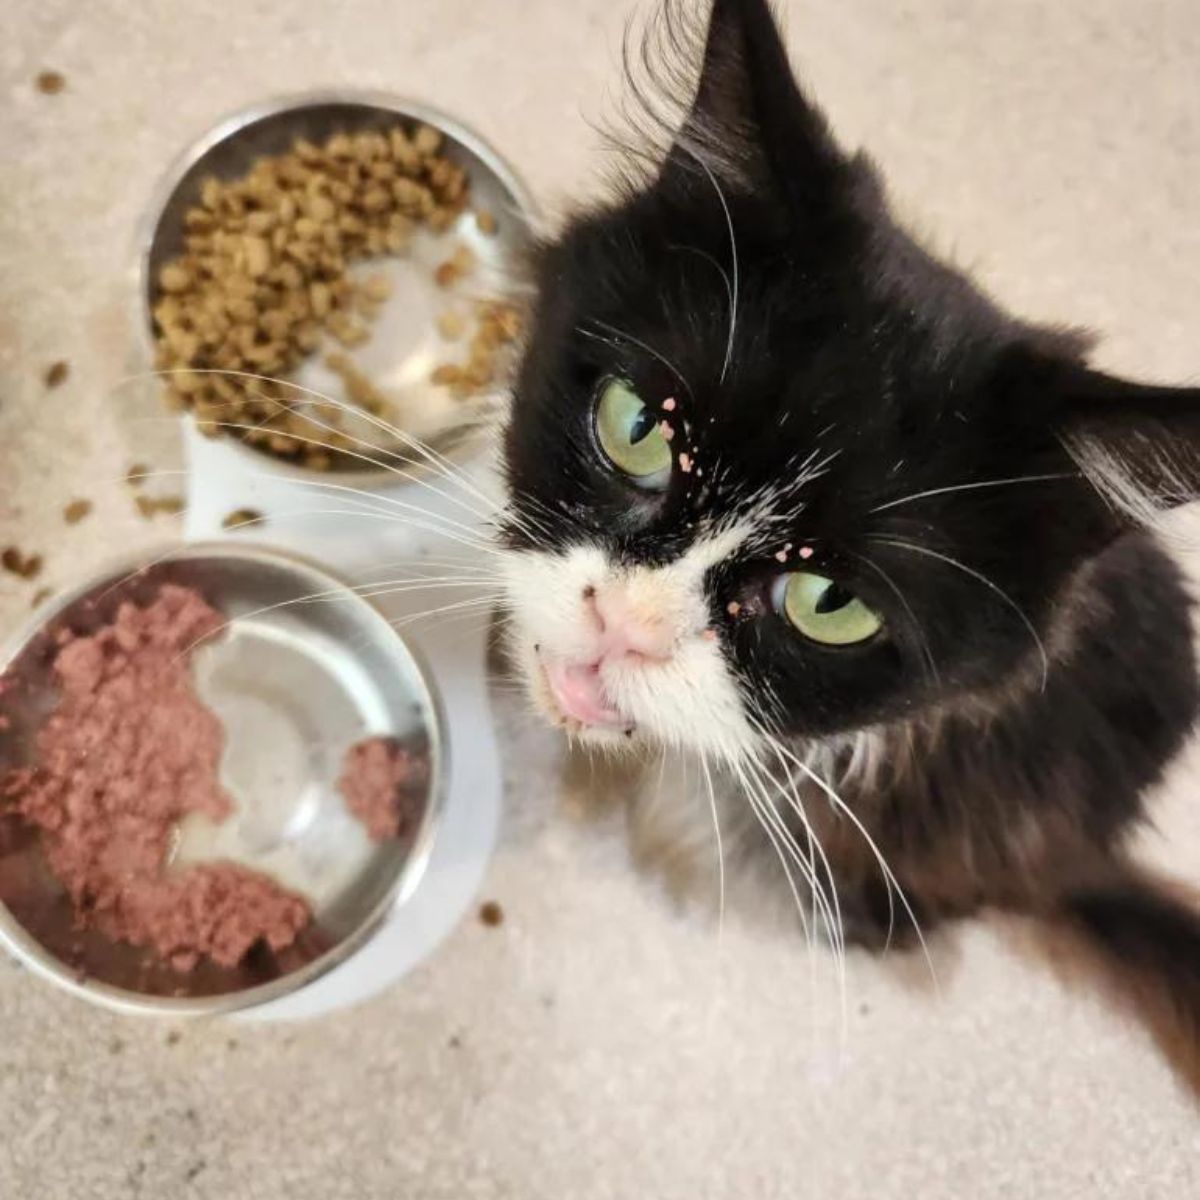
(295, 682)
(404, 346)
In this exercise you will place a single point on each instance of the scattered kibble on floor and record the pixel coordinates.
(151, 506)
(491, 914)
(50, 83)
(76, 511)
(56, 374)
(136, 474)
(241, 517)
(16, 562)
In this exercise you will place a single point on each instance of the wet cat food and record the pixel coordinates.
(383, 783)
(127, 753)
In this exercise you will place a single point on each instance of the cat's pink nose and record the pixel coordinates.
(625, 629)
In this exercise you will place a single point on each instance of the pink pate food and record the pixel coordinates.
(383, 784)
(129, 751)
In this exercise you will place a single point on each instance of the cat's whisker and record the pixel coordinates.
(708, 258)
(969, 487)
(712, 804)
(756, 807)
(389, 518)
(636, 341)
(333, 594)
(428, 522)
(792, 796)
(475, 602)
(825, 904)
(413, 517)
(912, 616)
(733, 252)
(370, 457)
(437, 461)
(889, 876)
(998, 591)
(828, 905)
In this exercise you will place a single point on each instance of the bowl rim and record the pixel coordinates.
(29, 952)
(233, 123)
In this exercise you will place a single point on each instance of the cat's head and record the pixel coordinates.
(772, 466)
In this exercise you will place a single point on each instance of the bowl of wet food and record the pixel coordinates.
(325, 278)
(221, 771)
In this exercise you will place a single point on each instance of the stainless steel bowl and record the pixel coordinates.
(295, 682)
(404, 346)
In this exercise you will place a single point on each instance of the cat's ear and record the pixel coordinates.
(748, 122)
(1139, 444)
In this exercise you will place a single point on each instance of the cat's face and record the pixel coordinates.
(772, 467)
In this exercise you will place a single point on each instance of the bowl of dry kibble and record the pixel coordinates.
(329, 284)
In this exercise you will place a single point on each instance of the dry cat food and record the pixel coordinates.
(76, 511)
(128, 752)
(384, 784)
(17, 562)
(151, 506)
(50, 83)
(56, 374)
(497, 325)
(241, 517)
(263, 281)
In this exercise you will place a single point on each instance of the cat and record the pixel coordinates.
(794, 502)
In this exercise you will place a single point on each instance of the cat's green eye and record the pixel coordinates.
(823, 610)
(629, 434)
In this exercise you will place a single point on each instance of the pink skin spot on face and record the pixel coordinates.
(805, 552)
(709, 635)
(666, 430)
(781, 556)
(685, 464)
(669, 404)
(733, 608)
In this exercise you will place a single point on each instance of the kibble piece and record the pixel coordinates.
(56, 374)
(16, 562)
(446, 375)
(136, 474)
(486, 222)
(50, 83)
(258, 257)
(491, 914)
(241, 517)
(451, 325)
(76, 511)
(150, 506)
(377, 287)
(174, 278)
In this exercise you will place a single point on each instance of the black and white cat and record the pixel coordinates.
(793, 499)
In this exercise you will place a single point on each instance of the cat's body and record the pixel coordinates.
(801, 514)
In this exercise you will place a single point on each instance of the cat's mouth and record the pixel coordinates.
(579, 695)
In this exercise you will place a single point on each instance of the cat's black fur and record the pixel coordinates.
(1037, 673)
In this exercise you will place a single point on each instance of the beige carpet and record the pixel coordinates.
(598, 1044)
